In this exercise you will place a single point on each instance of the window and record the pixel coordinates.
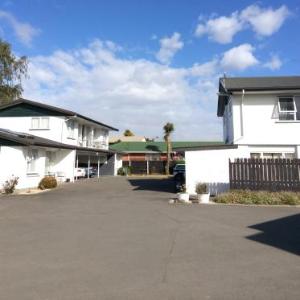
(49, 162)
(255, 155)
(32, 157)
(71, 129)
(289, 155)
(272, 155)
(40, 123)
(153, 157)
(287, 109)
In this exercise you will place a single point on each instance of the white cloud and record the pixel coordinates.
(274, 63)
(206, 69)
(239, 58)
(24, 31)
(220, 29)
(265, 21)
(138, 94)
(169, 46)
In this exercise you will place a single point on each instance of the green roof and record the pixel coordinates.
(135, 147)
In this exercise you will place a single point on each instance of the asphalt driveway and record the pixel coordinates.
(120, 239)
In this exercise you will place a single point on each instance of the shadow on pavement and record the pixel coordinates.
(283, 233)
(153, 184)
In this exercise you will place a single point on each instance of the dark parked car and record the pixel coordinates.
(179, 181)
(93, 172)
(179, 168)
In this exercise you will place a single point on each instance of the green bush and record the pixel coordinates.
(258, 197)
(123, 171)
(48, 182)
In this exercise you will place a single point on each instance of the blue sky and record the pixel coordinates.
(138, 64)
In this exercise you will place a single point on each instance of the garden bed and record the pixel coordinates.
(258, 198)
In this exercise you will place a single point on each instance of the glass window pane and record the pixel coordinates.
(290, 155)
(286, 116)
(272, 155)
(255, 155)
(31, 160)
(35, 123)
(286, 104)
(44, 123)
(71, 125)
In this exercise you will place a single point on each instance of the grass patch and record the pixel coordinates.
(258, 197)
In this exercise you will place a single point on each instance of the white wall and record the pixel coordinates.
(212, 166)
(65, 164)
(255, 122)
(13, 162)
(58, 130)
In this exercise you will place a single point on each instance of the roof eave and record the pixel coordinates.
(212, 147)
(68, 113)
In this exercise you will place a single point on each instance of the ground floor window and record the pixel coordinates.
(272, 155)
(153, 156)
(255, 155)
(32, 158)
(49, 163)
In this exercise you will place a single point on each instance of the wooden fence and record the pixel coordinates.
(265, 174)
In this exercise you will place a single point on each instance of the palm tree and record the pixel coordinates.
(168, 129)
(128, 132)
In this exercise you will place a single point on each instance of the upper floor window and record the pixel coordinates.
(288, 109)
(40, 123)
(71, 129)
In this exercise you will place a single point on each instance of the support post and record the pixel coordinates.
(147, 167)
(76, 166)
(89, 164)
(98, 170)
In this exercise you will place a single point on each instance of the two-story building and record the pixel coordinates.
(261, 119)
(37, 139)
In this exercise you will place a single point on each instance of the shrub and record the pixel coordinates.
(259, 197)
(123, 171)
(201, 188)
(48, 182)
(9, 185)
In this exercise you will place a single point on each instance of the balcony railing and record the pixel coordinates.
(93, 144)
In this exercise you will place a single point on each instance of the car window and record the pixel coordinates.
(180, 167)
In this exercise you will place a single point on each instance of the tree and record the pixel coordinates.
(127, 132)
(12, 69)
(168, 129)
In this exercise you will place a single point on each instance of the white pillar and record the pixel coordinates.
(147, 167)
(297, 151)
(76, 166)
(98, 170)
(89, 164)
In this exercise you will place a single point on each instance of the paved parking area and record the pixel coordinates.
(120, 239)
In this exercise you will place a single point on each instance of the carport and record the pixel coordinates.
(93, 158)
